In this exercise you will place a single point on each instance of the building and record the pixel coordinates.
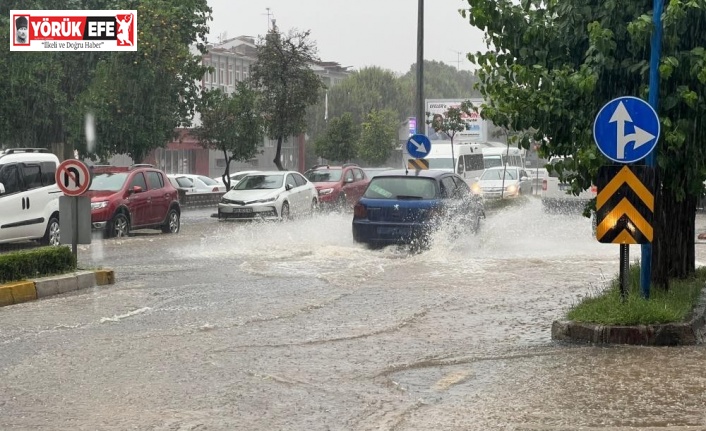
(231, 60)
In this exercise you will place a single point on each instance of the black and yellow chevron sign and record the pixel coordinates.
(625, 204)
(418, 164)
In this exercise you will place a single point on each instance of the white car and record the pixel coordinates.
(492, 185)
(234, 178)
(29, 196)
(269, 195)
(196, 183)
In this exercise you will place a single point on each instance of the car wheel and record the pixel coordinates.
(172, 225)
(118, 227)
(284, 212)
(52, 234)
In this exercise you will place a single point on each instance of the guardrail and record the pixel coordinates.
(199, 200)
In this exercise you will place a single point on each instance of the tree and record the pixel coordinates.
(557, 63)
(442, 81)
(371, 88)
(140, 98)
(287, 83)
(339, 141)
(451, 123)
(379, 136)
(38, 89)
(231, 124)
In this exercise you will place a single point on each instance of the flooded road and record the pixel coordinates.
(293, 326)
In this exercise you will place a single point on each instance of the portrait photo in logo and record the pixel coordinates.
(125, 32)
(21, 30)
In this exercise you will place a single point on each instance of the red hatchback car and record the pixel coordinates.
(139, 197)
(338, 186)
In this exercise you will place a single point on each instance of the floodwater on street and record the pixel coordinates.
(293, 326)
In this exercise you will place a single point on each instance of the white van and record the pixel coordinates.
(496, 156)
(467, 162)
(29, 196)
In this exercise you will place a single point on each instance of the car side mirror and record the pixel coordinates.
(349, 180)
(136, 189)
(2, 189)
(288, 187)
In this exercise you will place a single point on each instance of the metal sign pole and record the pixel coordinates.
(646, 261)
(624, 271)
(74, 236)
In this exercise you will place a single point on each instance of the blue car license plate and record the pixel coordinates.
(394, 231)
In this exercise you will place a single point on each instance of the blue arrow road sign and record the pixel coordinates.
(624, 121)
(418, 146)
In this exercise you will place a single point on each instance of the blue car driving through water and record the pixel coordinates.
(406, 207)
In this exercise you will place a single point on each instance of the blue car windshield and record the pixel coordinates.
(401, 188)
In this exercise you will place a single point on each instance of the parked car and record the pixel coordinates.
(269, 195)
(338, 186)
(405, 208)
(29, 196)
(199, 183)
(234, 178)
(182, 183)
(140, 197)
(491, 184)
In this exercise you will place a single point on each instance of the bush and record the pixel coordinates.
(38, 262)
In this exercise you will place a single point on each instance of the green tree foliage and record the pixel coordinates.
(287, 83)
(371, 88)
(38, 89)
(139, 98)
(557, 63)
(451, 122)
(379, 136)
(441, 81)
(231, 124)
(339, 141)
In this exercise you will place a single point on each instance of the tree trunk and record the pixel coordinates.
(673, 252)
(226, 174)
(278, 154)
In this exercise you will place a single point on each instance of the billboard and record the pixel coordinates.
(73, 30)
(476, 128)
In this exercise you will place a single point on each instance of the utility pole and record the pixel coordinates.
(458, 59)
(269, 14)
(421, 116)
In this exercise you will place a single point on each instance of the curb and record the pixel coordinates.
(690, 332)
(30, 290)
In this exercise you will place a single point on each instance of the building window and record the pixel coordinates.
(237, 75)
(220, 163)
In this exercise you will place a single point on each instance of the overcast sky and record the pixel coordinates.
(359, 33)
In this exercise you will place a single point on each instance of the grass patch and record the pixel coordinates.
(607, 308)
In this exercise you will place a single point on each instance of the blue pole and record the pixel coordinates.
(656, 43)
